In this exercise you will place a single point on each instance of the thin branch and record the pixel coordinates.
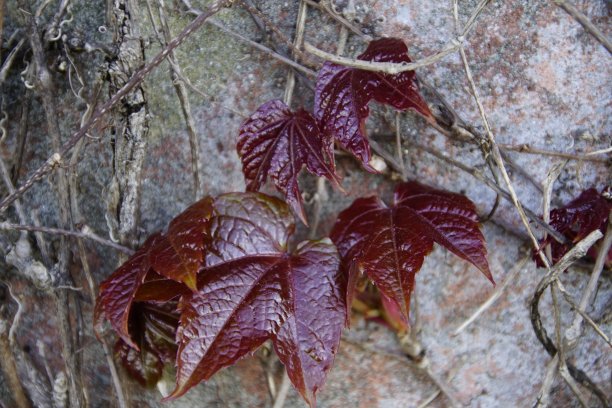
(84, 233)
(578, 251)
(602, 151)
(297, 41)
(323, 6)
(256, 45)
(183, 96)
(590, 28)
(8, 62)
(542, 400)
(575, 329)
(395, 68)
(398, 145)
(527, 149)
(22, 135)
(133, 82)
(499, 290)
(2, 7)
(78, 219)
(296, 51)
(497, 156)
(208, 96)
(44, 82)
(281, 395)
(561, 349)
(585, 316)
(386, 67)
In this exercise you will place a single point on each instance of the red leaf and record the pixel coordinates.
(253, 290)
(159, 288)
(576, 220)
(118, 290)
(178, 254)
(154, 327)
(142, 365)
(389, 244)
(276, 142)
(393, 315)
(342, 95)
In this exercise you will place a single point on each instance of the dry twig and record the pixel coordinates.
(578, 251)
(499, 290)
(85, 233)
(590, 28)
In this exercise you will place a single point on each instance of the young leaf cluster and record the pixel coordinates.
(277, 142)
(225, 276)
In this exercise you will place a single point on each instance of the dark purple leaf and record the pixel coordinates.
(154, 326)
(389, 244)
(342, 95)
(275, 142)
(117, 292)
(253, 290)
(576, 220)
(179, 253)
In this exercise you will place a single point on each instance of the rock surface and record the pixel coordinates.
(542, 81)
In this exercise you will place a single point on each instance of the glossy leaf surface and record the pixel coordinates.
(179, 253)
(576, 220)
(176, 255)
(342, 95)
(252, 290)
(276, 142)
(389, 244)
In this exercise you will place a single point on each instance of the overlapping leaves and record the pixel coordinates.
(583, 215)
(389, 244)
(223, 279)
(160, 270)
(153, 326)
(250, 288)
(276, 142)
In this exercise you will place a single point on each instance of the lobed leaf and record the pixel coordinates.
(276, 142)
(342, 95)
(252, 290)
(389, 244)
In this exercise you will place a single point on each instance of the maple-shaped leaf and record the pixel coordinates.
(252, 289)
(117, 292)
(342, 95)
(154, 325)
(179, 253)
(276, 142)
(583, 215)
(389, 244)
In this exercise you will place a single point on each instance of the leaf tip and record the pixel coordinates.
(191, 281)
